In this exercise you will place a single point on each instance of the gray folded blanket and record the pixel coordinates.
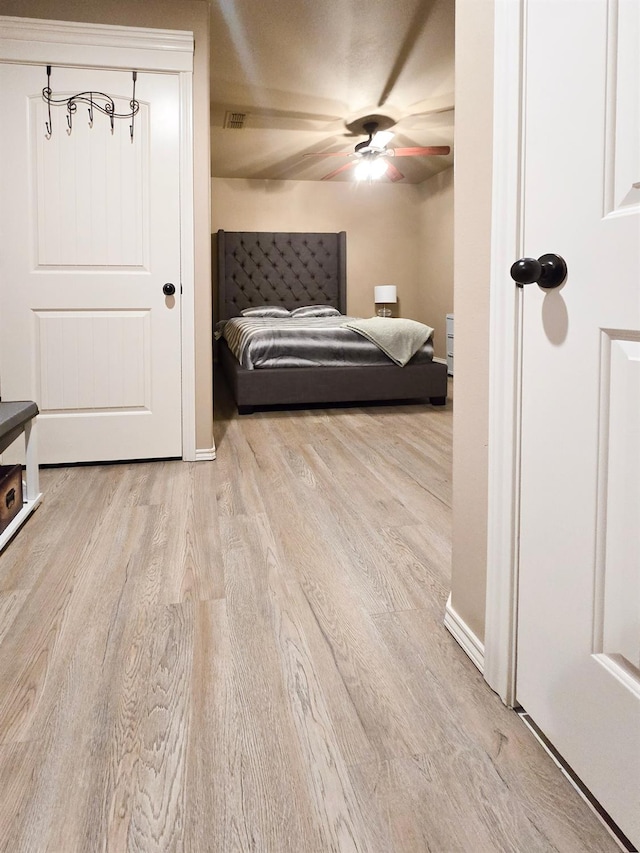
(397, 337)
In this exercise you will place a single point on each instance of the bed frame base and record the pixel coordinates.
(306, 385)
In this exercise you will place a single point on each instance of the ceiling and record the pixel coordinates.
(301, 70)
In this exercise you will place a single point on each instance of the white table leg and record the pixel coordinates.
(31, 453)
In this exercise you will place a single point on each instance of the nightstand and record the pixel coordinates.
(450, 344)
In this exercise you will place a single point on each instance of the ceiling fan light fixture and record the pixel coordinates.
(361, 171)
(378, 167)
(370, 169)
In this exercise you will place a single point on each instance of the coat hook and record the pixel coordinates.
(90, 110)
(47, 94)
(133, 104)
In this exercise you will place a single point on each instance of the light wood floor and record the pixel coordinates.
(249, 655)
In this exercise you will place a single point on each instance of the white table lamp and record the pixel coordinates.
(385, 294)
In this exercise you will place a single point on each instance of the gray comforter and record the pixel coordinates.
(304, 342)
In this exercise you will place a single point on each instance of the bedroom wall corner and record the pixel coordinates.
(472, 250)
(435, 259)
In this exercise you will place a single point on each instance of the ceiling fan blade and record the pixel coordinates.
(421, 151)
(337, 171)
(414, 29)
(393, 173)
(438, 104)
(381, 138)
(327, 154)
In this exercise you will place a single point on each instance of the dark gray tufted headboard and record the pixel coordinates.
(289, 269)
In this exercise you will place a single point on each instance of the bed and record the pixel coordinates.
(298, 269)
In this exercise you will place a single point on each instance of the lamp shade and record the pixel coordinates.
(385, 293)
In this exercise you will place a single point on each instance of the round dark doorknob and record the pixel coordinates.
(169, 289)
(547, 271)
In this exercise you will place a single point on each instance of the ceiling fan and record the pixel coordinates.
(371, 159)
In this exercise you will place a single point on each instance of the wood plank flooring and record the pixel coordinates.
(249, 655)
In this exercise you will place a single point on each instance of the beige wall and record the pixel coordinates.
(190, 15)
(472, 237)
(385, 224)
(435, 254)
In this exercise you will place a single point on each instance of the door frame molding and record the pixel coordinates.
(34, 41)
(505, 353)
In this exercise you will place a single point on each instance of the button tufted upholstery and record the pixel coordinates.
(289, 269)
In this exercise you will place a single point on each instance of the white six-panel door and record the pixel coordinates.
(578, 652)
(90, 230)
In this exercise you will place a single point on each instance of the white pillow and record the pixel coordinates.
(266, 311)
(315, 311)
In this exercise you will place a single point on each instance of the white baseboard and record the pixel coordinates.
(464, 636)
(205, 454)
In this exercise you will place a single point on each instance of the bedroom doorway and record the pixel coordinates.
(92, 326)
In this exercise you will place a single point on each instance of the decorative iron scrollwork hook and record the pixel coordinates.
(133, 104)
(46, 94)
(95, 101)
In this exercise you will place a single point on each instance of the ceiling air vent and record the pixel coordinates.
(234, 120)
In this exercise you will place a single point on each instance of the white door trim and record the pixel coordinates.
(187, 269)
(32, 41)
(504, 354)
(95, 45)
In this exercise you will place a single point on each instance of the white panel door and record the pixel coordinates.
(90, 232)
(578, 659)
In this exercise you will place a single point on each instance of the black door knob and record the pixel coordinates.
(168, 289)
(548, 271)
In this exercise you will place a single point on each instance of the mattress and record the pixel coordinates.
(304, 342)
